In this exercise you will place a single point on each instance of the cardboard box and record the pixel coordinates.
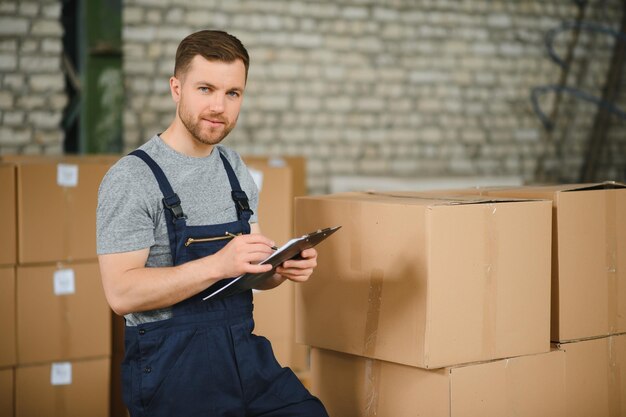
(56, 207)
(118, 408)
(594, 377)
(589, 245)
(7, 392)
(68, 389)
(425, 281)
(353, 386)
(8, 242)
(62, 313)
(279, 180)
(7, 317)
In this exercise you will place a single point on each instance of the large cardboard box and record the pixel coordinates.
(62, 313)
(56, 207)
(589, 245)
(8, 240)
(594, 377)
(280, 180)
(7, 406)
(427, 281)
(7, 317)
(353, 386)
(68, 389)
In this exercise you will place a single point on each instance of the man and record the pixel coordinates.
(174, 218)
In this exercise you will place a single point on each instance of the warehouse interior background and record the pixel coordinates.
(395, 91)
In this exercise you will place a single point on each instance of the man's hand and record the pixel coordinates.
(242, 254)
(301, 269)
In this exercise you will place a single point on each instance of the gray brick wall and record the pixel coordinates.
(396, 87)
(399, 88)
(32, 89)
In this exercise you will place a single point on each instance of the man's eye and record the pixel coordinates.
(233, 94)
(204, 89)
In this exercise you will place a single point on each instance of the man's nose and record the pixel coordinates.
(216, 104)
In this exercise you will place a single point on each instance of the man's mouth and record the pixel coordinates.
(214, 122)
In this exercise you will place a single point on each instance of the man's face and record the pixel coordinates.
(209, 99)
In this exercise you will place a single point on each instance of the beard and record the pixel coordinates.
(206, 135)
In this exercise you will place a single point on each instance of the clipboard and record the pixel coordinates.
(290, 250)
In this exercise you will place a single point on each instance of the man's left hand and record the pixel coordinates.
(301, 269)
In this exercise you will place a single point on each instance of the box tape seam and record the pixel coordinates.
(614, 376)
(60, 400)
(373, 312)
(66, 334)
(372, 387)
(355, 242)
(490, 285)
(610, 202)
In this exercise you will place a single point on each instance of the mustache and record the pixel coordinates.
(215, 118)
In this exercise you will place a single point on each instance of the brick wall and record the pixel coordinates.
(396, 88)
(32, 89)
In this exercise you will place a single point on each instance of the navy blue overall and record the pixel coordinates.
(205, 361)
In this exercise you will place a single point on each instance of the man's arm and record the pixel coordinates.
(131, 287)
(294, 270)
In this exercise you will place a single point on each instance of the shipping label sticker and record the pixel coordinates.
(64, 282)
(61, 373)
(67, 175)
(257, 176)
(277, 162)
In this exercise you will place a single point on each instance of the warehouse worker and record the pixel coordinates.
(175, 217)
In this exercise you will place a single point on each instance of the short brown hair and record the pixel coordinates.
(213, 45)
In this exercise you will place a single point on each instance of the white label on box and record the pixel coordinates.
(257, 176)
(61, 373)
(67, 175)
(64, 282)
(277, 162)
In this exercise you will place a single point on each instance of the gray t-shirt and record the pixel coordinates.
(130, 211)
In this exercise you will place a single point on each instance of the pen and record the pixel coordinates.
(233, 235)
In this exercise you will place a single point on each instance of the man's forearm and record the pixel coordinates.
(144, 288)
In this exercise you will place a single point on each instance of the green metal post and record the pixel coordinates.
(100, 33)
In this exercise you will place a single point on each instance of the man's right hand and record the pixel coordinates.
(242, 255)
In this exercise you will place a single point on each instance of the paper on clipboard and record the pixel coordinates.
(289, 250)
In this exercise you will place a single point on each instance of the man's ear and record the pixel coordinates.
(175, 88)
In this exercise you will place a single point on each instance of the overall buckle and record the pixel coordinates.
(241, 199)
(172, 203)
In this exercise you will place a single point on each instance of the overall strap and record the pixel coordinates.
(239, 196)
(174, 216)
(170, 198)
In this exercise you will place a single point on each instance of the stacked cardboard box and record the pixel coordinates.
(594, 373)
(578, 379)
(355, 386)
(584, 370)
(280, 180)
(62, 343)
(588, 317)
(427, 282)
(420, 281)
(7, 392)
(8, 355)
(589, 241)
